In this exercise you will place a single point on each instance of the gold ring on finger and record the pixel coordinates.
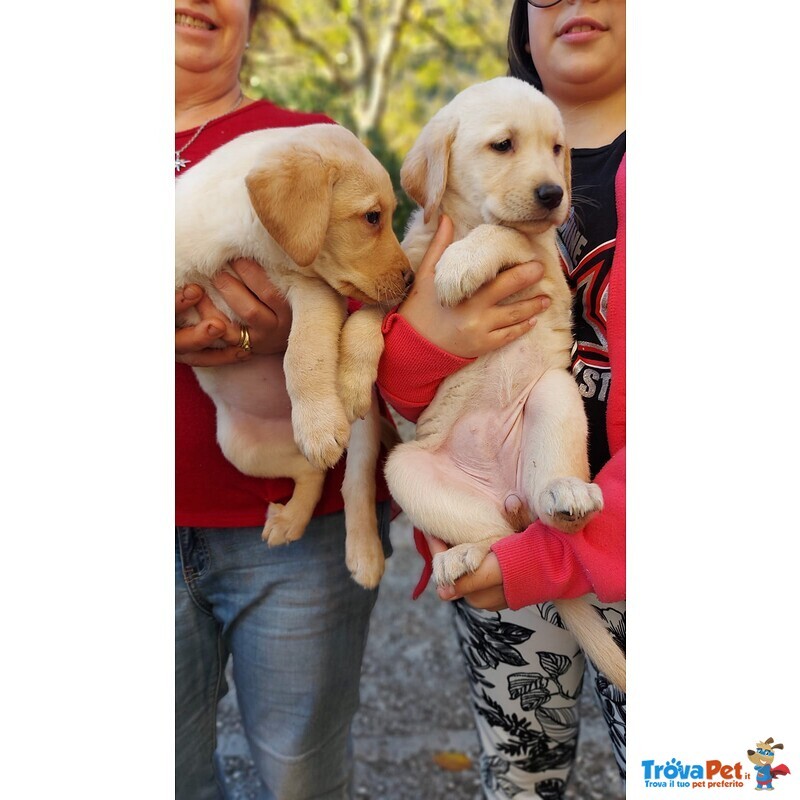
(244, 339)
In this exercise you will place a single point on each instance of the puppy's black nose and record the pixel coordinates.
(408, 276)
(549, 195)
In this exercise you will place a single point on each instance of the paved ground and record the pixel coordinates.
(414, 705)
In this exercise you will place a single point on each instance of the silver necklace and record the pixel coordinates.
(180, 163)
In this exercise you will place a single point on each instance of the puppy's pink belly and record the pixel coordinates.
(483, 448)
(259, 428)
(254, 416)
(255, 388)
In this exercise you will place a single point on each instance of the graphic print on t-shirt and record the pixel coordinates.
(588, 277)
(586, 242)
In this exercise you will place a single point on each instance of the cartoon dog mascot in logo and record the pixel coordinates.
(762, 757)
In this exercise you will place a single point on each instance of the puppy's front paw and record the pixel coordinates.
(567, 504)
(459, 274)
(355, 393)
(360, 349)
(364, 559)
(281, 526)
(460, 560)
(321, 431)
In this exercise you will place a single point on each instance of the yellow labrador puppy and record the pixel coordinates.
(314, 208)
(504, 441)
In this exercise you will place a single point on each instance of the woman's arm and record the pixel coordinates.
(424, 342)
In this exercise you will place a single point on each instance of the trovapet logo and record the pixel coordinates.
(762, 757)
(675, 774)
(714, 773)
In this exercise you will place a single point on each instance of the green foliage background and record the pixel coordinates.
(381, 68)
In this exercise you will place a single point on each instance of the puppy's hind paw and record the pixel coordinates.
(463, 559)
(281, 526)
(567, 504)
(365, 560)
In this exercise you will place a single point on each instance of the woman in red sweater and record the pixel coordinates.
(291, 618)
(521, 663)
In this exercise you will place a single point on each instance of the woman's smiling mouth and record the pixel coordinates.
(193, 22)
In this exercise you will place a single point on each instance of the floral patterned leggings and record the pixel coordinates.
(526, 673)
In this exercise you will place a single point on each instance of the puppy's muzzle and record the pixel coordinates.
(549, 195)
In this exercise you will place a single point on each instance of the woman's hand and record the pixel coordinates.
(482, 589)
(253, 298)
(479, 324)
(194, 345)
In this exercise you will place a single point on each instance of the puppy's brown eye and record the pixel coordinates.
(557, 149)
(373, 217)
(502, 147)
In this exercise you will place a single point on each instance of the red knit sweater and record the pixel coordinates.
(209, 490)
(539, 563)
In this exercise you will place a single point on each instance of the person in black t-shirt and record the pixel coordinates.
(525, 669)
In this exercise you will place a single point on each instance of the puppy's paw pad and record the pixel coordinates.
(567, 504)
(281, 527)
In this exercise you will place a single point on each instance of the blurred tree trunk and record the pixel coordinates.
(358, 47)
(374, 78)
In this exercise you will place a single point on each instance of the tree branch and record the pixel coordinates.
(387, 48)
(293, 27)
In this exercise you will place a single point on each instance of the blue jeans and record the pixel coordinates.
(295, 624)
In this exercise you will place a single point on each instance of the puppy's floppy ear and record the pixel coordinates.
(292, 196)
(568, 174)
(424, 171)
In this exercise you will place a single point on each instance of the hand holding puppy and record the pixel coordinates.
(254, 299)
(479, 324)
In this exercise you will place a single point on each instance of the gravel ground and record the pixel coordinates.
(414, 705)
